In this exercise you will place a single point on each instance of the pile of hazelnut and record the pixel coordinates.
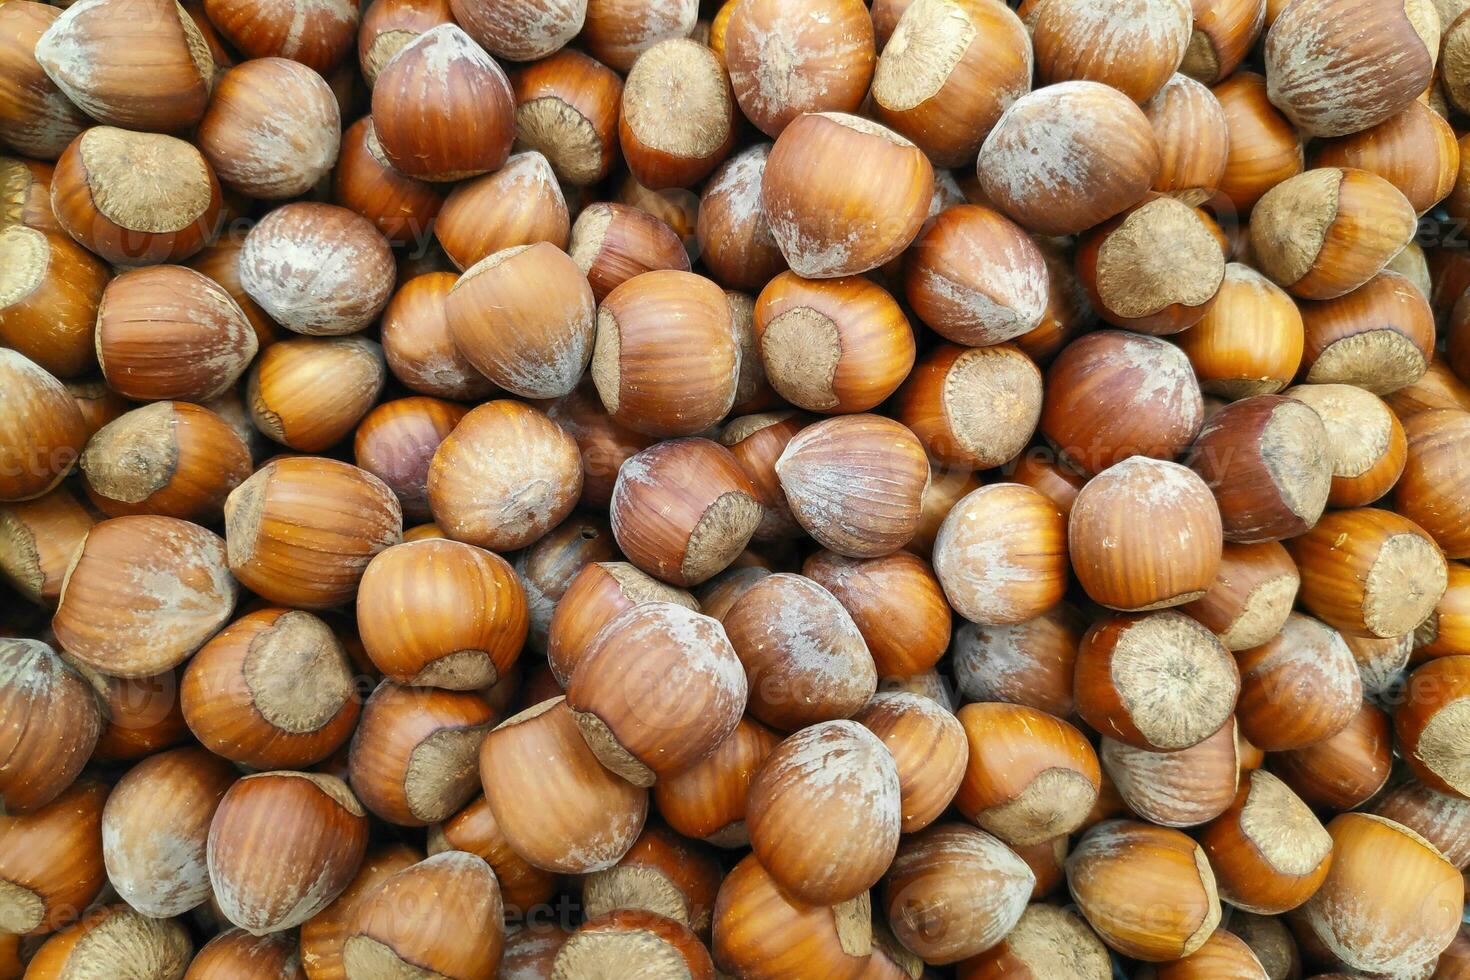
(757, 490)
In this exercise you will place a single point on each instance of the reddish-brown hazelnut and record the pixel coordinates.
(1268, 851)
(416, 342)
(555, 803)
(1364, 440)
(41, 429)
(626, 941)
(387, 25)
(567, 107)
(282, 846)
(708, 800)
(1030, 777)
(474, 829)
(1047, 941)
(1111, 395)
(161, 946)
(897, 603)
(51, 865)
(401, 208)
(664, 874)
(396, 441)
(519, 204)
(1379, 337)
(1447, 630)
(617, 31)
(678, 118)
(1194, 139)
(235, 952)
(757, 442)
(504, 477)
(613, 243)
(598, 594)
(25, 194)
(1343, 771)
(521, 31)
(318, 35)
(156, 827)
(832, 219)
(1249, 341)
(273, 690)
(323, 935)
(49, 298)
(220, 261)
(1145, 534)
(1001, 555)
(1175, 789)
(135, 198)
(1251, 596)
(928, 746)
(1299, 688)
(37, 540)
(1430, 723)
(36, 116)
(309, 393)
(1439, 818)
(1432, 490)
(1030, 663)
(141, 715)
(735, 240)
(302, 530)
(1415, 150)
(1133, 46)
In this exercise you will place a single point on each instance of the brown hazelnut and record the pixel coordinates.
(1001, 555)
(617, 31)
(282, 846)
(41, 429)
(234, 951)
(1159, 682)
(518, 205)
(141, 714)
(155, 829)
(1193, 137)
(1429, 723)
(416, 342)
(945, 488)
(567, 107)
(142, 594)
(1030, 777)
(157, 71)
(678, 117)
(928, 746)
(521, 31)
(49, 299)
(708, 800)
(1029, 663)
(664, 874)
(1343, 771)
(598, 594)
(1184, 788)
(309, 393)
(36, 116)
(504, 477)
(897, 603)
(620, 942)
(735, 240)
(1415, 150)
(396, 441)
(757, 442)
(317, 269)
(273, 690)
(831, 219)
(474, 829)
(387, 25)
(1379, 337)
(442, 108)
(401, 208)
(1432, 490)
(51, 865)
(804, 657)
(1264, 147)
(1268, 851)
(1145, 534)
(1441, 819)
(1047, 941)
(318, 35)
(1444, 633)
(614, 243)
(1134, 46)
(1251, 596)
(1249, 341)
(302, 530)
(1364, 440)
(135, 198)
(1369, 572)
(553, 800)
(323, 935)
(64, 720)
(157, 949)
(37, 539)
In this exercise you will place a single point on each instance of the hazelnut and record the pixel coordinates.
(928, 746)
(1159, 682)
(37, 539)
(1251, 596)
(1111, 395)
(273, 690)
(518, 205)
(945, 488)
(1444, 632)
(317, 269)
(1001, 555)
(1364, 440)
(396, 442)
(948, 71)
(387, 25)
(282, 846)
(616, 32)
(757, 442)
(1175, 789)
(1268, 851)
(1222, 954)
(530, 952)
(614, 243)
(1030, 777)
(155, 828)
(37, 117)
(317, 34)
(416, 342)
(1390, 901)
(220, 262)
(567, 107)
(789, 58)
(323, 935)
(1224, 33)
(1148, 891)
(1134, 46)
(525, 318)
(1343, 771)
(1429, 723)
(135, 198)
(1379, 337)
(310, 392)
(41, 429)
(735, 240)
(1029, 663)
(1111, 158)
(110, 935)
(838, 773)
(1053, 478)
(235, 951)
(831, 219)
(1249, 341)
(855, 483)
(272, 129)
(804, 657)
(521, 31)
(401, 208)
(1324, 233)
(25, 194)
(442, 108)
(157, 71)
(302, 530)
(1145, 534)
(1369, 572)
(1332, 82)
(167, 458)
(656, 691)
(665, 362)
(56, 723)
(663, 874)
(553, 800)
(1264, 148)
(1415, 150)
(835, 345)
(474, 829)
(170, 332)
(1441, 819)
(623, 942)
(142, 714)
(1193, 137)
(51, 861)
(896, 602)
(142, 594)
(504, 477)
(49, 298)
(1269, 464)
(975, 278)
(596, 595)
(708, 800)
(1431, 491)
(1154, 269)
(1047, 941)
(678, 119)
